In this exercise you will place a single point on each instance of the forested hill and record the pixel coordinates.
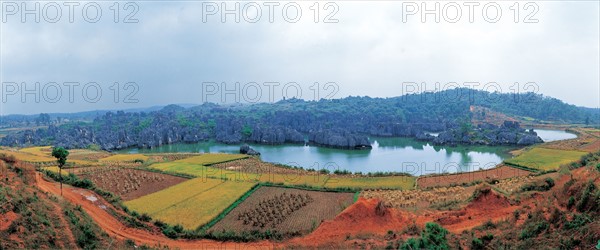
(343, 123)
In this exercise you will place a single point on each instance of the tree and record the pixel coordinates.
(61, 157)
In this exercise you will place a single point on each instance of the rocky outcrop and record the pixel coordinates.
(275, 135)
(339, 139)
(509, 133)
(245, 149)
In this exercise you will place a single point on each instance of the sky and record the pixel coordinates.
(160, 52)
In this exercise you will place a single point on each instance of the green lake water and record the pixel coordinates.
(388, 154)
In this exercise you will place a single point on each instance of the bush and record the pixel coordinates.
(598, 167)
(169, 232)
(544, 185)
(477, 244)
(578, 221)
(433, 237)
(145, 217)
(533, 229)
(324, 171)
(571, 202)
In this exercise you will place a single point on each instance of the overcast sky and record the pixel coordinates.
(170, 52)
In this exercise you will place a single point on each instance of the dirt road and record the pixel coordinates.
(95, 206)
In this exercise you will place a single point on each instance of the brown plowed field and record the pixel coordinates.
(501, 172)
(305, 218)
(132, 183)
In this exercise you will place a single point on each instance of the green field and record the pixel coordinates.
(545, 159)
(192, 203)
(386, 182)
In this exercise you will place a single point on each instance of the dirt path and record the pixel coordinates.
(112, 226)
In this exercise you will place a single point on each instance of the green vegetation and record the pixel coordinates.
(433, 237)
(544, 158)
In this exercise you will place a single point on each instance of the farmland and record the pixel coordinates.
(131, 183)
(413, 199)
(501, 172)
(28, 157)
(208, 159)
(192, 203)
(365, 182)
(285, 210)
(545, 158)
(124, 158)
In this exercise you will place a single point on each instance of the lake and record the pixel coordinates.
(388, 154)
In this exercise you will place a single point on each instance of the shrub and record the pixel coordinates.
(145, 217)
(324, 171)
(477, 244)
(582, 205)
(544, 185)
(571, 202)
(169, 232)
(578, 221)
(533, 229)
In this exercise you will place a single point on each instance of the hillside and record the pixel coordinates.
(31, 219)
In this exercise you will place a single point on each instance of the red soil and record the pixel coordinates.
(7, 219)
(489, 206)
(360, 218)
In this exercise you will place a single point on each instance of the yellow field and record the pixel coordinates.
(55, 169)
(392, 182)
(294, 179)
(208, 159)
(192, 203)
(545, 158)
(124, 158)
(23, 156)
(39, 151)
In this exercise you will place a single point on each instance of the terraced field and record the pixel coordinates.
(501, 172)
(192, 203)
(124, 158)
(386, 182)
(28, 157)
(208, 159)
(545, 158)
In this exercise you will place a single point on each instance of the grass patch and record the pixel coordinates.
(545, 159)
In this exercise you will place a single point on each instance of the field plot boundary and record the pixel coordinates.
(230, 208)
